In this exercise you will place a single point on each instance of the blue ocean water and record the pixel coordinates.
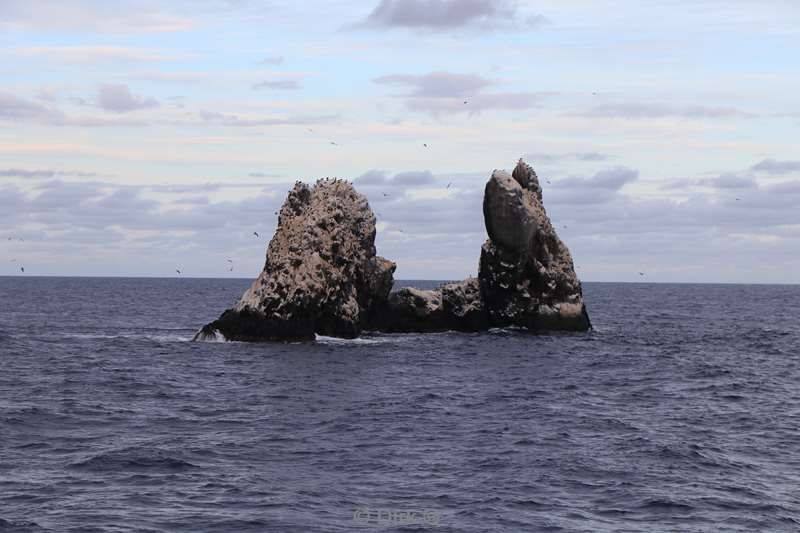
(679, 412)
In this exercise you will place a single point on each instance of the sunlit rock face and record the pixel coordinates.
(322, 275)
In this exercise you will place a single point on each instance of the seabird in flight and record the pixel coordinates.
(256, 234)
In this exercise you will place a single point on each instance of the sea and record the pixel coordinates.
(679, 412)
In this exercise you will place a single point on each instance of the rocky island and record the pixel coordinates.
(322, 274)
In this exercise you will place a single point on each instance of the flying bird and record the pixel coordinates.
(425, 145)
(178, 271)
(548, 181)
(466, 101)
(738, 199)
(641, 273)
(256, 234)
(448, 185)
(229, 260)
(22, 269)
(335, 144)
(386, 194)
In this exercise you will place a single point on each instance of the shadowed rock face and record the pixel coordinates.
(452, 306)
(322, 274)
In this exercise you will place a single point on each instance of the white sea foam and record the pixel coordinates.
(136, 336)
(205, 337)
(322, 339)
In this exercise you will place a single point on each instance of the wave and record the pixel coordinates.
(134, 459)
(18, 526)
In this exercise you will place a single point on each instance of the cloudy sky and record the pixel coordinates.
(140, 136)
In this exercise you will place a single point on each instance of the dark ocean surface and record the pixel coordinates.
(679, 412)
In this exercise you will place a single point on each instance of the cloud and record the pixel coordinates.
(284, 85)
(94, 54)
(121, 17)
(611, 179)
(429, 236)
(449, 15)
(443, 92)
(15, 108)
(402, 179)
(730, 180)
(542, 158)
(225, 119)
(271, 60)
(119, 99)
(263, 175)
(41, 173)
(649, 111)
(771, 166)
(437, 84)
(596, 189)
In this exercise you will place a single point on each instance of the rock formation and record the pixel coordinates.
(322, 274)
(525, 279)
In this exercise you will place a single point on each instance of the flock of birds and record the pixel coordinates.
(255, 233)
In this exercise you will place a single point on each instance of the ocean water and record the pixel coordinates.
(679, 412)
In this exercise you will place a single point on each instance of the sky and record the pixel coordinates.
(138, 137)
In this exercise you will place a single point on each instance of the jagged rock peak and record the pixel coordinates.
(527, 178)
